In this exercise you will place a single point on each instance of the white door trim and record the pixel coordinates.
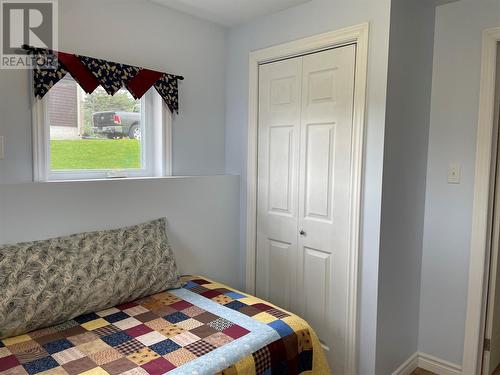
(479, 248)
(352, 35)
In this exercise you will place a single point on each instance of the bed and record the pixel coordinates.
(202, 328)
(112, 302)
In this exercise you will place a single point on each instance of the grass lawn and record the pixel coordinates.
(95, 154)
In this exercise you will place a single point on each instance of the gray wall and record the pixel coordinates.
(308, 19)
(201, 214)
(455, 101)
(144, 34)
(404, 181)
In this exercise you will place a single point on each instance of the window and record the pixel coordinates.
(86, 136)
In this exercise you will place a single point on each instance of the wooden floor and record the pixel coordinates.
(422, 372)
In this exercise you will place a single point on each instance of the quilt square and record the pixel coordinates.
(116, 338)
(86, 318)
(127, 323)
(139, 330)
(163, 310)
(200, 281)
(8, 362)
(235, 295)
(18, 370)
(143, 356)
(235, 331)
(57, 346)
(181, 305)
(126, 306)
(222, 299)
(40, 365)
(106, 330)
(200, 348)
(158, 324)
(158, 366)
(218, 339)
(73, 331)
(278, 313)
(105, 356)
(176, 317)
(193, 311)
(92, 347)
(249, 311)
(180, 357)
(130, 347)
(220, 324)
(79, 366)
(68, 355)
(189, 324)
(206, 317)
(185, 338)
(16, 340)
(203, 331)
(235, 305)
(116, 317)
(151, 338)
(171, 331)
(262, 359)
(83, 338)
(211, 293)
(165, 347)
(95, 324)
(136, 310)
(119, 366)
(281, 327)
(146, 317)
(136, 371)
(4, 352)
(49, 338)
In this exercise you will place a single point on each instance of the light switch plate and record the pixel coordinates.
(2, 154)
(454, 173)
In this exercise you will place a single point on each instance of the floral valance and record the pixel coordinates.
(49, 67)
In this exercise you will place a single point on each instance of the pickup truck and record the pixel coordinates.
(115, 124)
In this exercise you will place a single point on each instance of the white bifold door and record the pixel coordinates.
(304, 170)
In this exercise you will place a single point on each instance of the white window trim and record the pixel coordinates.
(157, 155)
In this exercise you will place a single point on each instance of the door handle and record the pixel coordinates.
(303, 233)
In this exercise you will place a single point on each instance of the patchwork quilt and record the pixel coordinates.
(202, 328)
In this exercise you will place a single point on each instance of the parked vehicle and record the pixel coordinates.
(117, 124)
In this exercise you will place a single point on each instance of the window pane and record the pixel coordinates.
(96, 131)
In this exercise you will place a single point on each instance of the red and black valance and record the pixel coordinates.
(49, 67)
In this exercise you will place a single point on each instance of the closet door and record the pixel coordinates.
(280, 101)
(324, 195)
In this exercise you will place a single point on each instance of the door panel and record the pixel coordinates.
(280, 95)
(304, 171)
(324, 196)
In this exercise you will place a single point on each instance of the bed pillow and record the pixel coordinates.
(43, 283)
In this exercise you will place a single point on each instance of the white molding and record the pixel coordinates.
(437, 365)
(407, 368)
(474, 323)
(352, 35)
(429, 363)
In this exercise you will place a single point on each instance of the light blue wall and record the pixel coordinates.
(448, 209)
(140, 33)
(308, 19)
(404, 183)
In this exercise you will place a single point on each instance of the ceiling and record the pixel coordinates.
(229, 12)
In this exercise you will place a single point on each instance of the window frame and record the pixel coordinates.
(156, 151)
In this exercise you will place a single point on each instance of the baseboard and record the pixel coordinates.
(429, 363)
(438, 366)
(410, 365)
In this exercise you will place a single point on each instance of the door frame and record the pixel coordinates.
(358, 35)
(481, 223)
